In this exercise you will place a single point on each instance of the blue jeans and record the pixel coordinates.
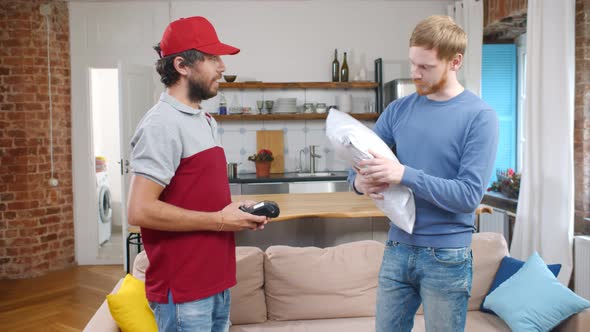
(440, 278)
(210, 314)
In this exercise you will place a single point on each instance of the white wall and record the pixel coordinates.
(295, 40)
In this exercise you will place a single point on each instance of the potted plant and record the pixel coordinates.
(508, 183)
(262, 160)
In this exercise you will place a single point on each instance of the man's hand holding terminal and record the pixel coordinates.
(233, 219)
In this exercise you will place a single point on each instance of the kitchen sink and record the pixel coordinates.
(316, 174)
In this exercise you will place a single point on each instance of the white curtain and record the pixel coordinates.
(545, 214)
(469, 15)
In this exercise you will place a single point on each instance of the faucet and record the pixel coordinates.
(312, 156)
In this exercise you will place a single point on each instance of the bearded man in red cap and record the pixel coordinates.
(179, 193)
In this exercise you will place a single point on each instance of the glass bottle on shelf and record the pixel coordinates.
(344, 70)
(222, 104)
(335, 67)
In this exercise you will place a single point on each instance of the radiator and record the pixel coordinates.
(496, 222)
(582, 266)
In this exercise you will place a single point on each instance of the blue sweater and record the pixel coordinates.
(448, 149)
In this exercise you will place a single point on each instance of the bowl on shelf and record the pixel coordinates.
(229, 78)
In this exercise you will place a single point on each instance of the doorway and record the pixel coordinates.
(111, 97)
(104, 106)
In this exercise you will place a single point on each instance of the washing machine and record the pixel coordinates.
(105, 212)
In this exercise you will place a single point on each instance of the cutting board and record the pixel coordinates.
(272, 140)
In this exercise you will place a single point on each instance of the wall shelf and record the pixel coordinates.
(298, 85)
(295, 85)
(279, 117)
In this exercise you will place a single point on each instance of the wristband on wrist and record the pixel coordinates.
(355, 190)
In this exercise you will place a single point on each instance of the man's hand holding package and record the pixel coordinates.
(376, 174)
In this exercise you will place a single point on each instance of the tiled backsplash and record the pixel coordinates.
(239, 138)
(239, 141)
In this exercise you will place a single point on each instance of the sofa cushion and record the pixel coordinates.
(247, 297)
(140, 264)
(577, 322)
(533, 299)
(103, 321)
(508, 267)
(248, 305)
(488, 251)
(358, 324)
(129, 307)
(476, 321)
(314, 283)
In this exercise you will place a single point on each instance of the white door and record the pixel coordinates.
(136, 92)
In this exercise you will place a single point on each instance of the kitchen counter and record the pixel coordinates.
(289, 177)
(320, 205)
(500, 201)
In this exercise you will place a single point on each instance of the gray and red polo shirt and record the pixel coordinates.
(177, 147)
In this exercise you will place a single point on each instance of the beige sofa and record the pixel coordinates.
(333, 289)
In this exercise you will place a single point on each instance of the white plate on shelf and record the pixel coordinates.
(284, 110)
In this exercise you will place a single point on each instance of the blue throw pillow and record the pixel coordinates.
(508, 267)
(533, 299)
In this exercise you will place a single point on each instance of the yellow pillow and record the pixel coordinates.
(130, 309)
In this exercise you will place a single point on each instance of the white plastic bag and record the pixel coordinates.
(352, 141)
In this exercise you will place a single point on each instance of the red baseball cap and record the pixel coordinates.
(193, 33)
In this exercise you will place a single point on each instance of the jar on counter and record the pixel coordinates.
(320, 108)
(308, 108)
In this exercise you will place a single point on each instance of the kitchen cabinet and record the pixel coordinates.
(294, 85)
(265, 188)
(290, 187)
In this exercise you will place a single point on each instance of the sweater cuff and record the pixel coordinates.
(411, 176)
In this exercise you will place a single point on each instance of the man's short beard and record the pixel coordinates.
(197, 91)
(438, 86)
(423, 90)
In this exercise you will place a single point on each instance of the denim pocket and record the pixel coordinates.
(450, 255)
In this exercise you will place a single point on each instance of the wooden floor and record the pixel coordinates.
(58, 301)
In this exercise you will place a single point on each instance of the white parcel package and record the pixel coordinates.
(352, 141)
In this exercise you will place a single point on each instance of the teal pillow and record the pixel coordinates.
(533, 299)
(508, 267)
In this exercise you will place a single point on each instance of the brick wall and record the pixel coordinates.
(582, 117)
(498, 10)
(36, 220)
(504, 20)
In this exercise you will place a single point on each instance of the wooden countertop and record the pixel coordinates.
(320, 205)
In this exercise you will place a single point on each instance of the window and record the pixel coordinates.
(499, 90)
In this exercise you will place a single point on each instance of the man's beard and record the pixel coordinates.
(424, 90)
(198, 91)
